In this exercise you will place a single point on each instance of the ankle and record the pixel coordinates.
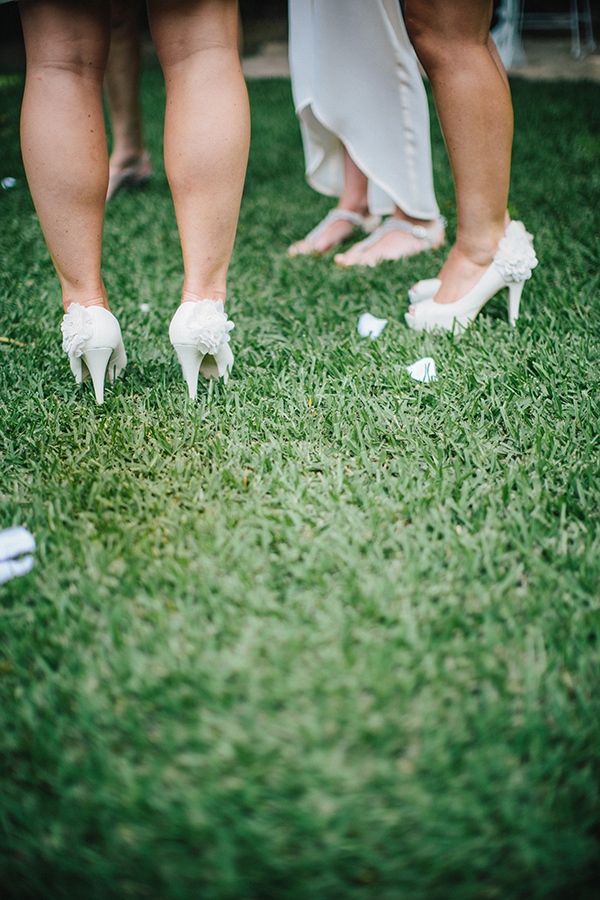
(479, 249)
(193, 296)
(99, 300)
(354, 206)
(476, 254)
(404, 217)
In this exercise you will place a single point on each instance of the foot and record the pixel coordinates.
(127, 172)
(337, 226)
(459, 275)
(469, 283)
(396, 238)
(428, 287)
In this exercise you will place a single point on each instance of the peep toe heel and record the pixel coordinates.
(199, 333)
(428, 287)
(511, 267)
(93, 342)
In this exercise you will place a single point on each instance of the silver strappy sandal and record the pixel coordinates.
(366, 223)
(429, 238)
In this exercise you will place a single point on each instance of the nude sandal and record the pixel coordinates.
(136, 175)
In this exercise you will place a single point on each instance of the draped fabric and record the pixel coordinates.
(356, 82)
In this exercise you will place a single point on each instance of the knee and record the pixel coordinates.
(428, 41)
(72, 64)
(56, 42)
(124, 14)
(445, 33)
(80, 59)
(180, 31)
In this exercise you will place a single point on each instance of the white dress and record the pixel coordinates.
(356, 82)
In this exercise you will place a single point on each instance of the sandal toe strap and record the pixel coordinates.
(335, 215)
(426, 235)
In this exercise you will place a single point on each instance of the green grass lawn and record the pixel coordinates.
(327, 632)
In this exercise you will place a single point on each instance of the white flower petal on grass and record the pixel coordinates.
(144, 307)
(370, 326)
(16, 547)
(423, 370)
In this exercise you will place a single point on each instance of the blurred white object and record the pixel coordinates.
(8, 182)
(507, 34)
(368, 325)
(423, 370)
(577, 19)
(514, 18)
(144, 307)
(16, 546)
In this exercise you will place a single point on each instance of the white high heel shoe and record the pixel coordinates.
(511, 268)
(93, 342)
(199, 332)
(429, 287)
(424, 289)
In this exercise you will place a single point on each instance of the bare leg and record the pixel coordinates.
(207, 132)
(353, 199)
(121, 83)
(63, 137)
(496, 57)
(451, 38)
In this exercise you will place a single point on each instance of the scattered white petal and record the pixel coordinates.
(14, 542)
(8, 182)
(423, 370)
(368, 325)
(145, 307)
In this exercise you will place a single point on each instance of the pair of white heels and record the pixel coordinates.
(511, 267)
(199, 332)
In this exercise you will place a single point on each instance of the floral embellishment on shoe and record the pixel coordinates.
(515, 259)
(77, 328)
(209, 326)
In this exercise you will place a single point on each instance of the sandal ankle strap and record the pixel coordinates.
(426, 235)
(339, 215)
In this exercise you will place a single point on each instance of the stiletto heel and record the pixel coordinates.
(199, 332)
(93, 342)
(511, 268)
(515, 289)
(97, 361)
(189, 360)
